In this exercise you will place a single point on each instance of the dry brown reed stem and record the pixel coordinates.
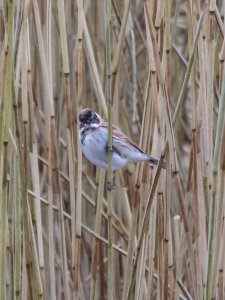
(6, 118)
(96, 245)
(76, 231)
(97, 82)
(198, 291)
(109, 100)
(210, 291)
(50, 224)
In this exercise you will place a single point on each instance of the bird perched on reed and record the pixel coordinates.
(94, 143)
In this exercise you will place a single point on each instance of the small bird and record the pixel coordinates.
(94, 142)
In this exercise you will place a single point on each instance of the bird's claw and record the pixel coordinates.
(110, 186)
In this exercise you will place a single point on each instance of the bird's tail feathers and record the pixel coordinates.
(155, 161)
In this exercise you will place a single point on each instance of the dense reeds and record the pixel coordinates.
(155, 69)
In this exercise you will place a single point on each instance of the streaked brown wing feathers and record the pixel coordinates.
(119, 135)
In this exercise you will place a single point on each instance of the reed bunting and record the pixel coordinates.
(94, 142)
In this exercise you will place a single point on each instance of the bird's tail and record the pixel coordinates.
(155, 161)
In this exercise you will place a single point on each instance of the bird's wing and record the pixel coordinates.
(121, 143)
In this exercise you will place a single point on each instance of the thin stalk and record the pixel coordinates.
(98, 222)
(116, 59)
(76, 235)
(4, 138)
(52, 289)
(189, 68)
(109, 100)
(97, 81)
(216, 158)
(17, 231)
(3, 232)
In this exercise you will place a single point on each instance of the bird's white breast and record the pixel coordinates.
(94, 147)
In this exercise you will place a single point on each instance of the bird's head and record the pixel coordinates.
(89, 119)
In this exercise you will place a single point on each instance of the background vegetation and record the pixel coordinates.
(159, 65)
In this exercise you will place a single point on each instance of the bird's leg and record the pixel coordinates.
(111, 185)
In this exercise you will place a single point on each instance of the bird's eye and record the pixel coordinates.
(90, 115)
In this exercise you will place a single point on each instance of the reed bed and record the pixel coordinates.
(156, 70)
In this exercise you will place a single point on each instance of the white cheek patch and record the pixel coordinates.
(87, 127)
(93, 126)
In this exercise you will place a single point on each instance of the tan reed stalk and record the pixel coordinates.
(76, 242)
(96, 244)
(4, 147)
(195, 173)
(17, 230)
(167, 197)
(96, 78)
(49, 111)
(210, 96)
(51, 223)
(216, 157)
(27, 88)
(109, 100)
